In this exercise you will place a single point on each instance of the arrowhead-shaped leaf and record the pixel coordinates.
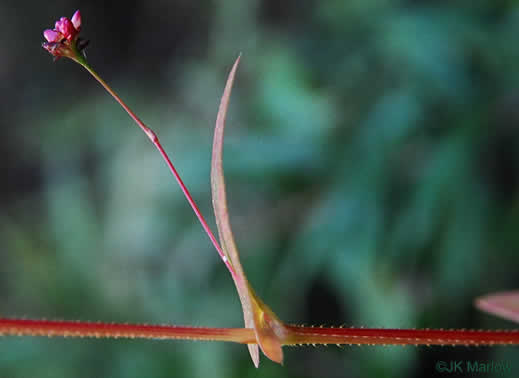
(504, 305)
(269, 330)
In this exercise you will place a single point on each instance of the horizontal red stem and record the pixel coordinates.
(28, 327)
(296, 334)
(384, 336)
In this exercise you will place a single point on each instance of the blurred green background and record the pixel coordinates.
(372, 169)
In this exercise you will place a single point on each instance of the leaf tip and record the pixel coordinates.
(503, 304)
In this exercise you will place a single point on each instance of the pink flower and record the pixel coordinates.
(65, 27)
(63, 39)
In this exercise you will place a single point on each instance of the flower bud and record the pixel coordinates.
(76, 20)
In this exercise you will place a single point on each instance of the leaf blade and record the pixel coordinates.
(269, 330)
(222, 214)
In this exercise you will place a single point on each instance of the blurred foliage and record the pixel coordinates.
(371, 160)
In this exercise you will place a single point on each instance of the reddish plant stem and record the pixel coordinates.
(155, 140)
(27, 327)
(383, 336)
(296, 335)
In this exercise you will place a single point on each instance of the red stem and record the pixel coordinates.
(155, 140)
(27, 327)
(383, 336)
(296, 335)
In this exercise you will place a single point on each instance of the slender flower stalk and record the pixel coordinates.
(152, 136)
(64, 41)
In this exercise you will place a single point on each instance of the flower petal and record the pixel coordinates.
(76, 20)
(52, 35)
(60, 25)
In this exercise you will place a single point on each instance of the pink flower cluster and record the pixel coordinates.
(63, 39)
(64, 29)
